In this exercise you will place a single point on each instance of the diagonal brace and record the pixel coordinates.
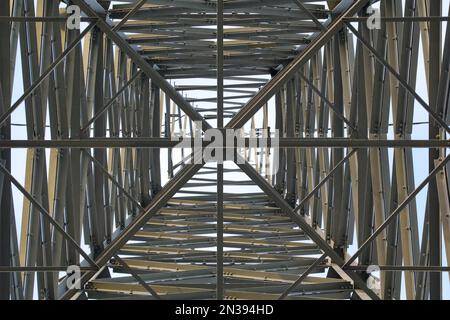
(155, 205)
(325, 179)
(328, 102)
(46, 73)
(274, 85)
(302, 277)
(113, 180)
(309, 14)
(154, 75)
(46, 215)
(111, 101)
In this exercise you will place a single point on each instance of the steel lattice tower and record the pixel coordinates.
(92, 175)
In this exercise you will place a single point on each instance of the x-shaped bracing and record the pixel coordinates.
(238, 121)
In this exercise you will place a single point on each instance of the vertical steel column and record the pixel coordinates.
(351, 175)
(433, 131)
(220, 280)
(16, 281)
(422, 282)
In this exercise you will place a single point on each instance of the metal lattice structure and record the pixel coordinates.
(92, 112)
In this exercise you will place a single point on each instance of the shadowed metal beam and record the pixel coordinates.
(137, 277)
(111, 101)
(130, 13)
(157, 203)
(125, 192)
(47, 215)
(43, 269)
(328, 102)
(309, 14)
(401, 268)
(325, 179)
(302, 277)
(283, 142)
(402, 81)
(220, 182)
(45, 74)
(301, 222)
